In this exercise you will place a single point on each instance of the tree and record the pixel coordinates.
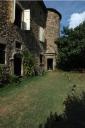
(71, 48)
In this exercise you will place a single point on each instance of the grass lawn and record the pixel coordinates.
(30, 103)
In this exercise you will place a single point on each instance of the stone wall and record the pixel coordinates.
(38, 19)
(29, 39)
(52, 30)
(52, 34)
(10, 33)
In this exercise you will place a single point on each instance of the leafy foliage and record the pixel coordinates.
(15, 79)
(29, 63)
(4, 75)
(73, 116)
(71, 48)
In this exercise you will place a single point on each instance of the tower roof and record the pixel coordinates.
(54, 10)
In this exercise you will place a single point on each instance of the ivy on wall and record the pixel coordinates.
(29, 64)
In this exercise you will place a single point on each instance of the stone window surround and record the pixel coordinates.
(19, 49)
(14, 7)
(22, 18)
(41, 34)
(25, 19)
(12, 58)
(15, 49)
(20, 6)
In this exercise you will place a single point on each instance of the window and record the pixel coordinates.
(2, 53)
(41, 34)
(18, 45)
(22, 18)
(18, 16)
(26, 20)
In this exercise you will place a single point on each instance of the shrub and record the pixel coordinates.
(73, 115)
(15, 79)
(4, 75)
(29, 64)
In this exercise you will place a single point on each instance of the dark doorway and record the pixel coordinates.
(17, 64)
(50, 64)
(2, 53)
(41, 58)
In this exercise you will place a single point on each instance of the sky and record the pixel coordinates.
(73, 12)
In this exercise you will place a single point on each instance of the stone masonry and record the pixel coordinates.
(52, 34)
(12, 35)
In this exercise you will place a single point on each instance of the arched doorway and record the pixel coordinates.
(17, 64)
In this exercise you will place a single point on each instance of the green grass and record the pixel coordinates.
(30, 103)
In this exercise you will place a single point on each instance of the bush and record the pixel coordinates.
(4, 75)
(29, 64)
(73, 115)
(6, 78)
(15, 79)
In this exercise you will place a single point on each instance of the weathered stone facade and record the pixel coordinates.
(9, 34)
(38, 19)
(12, 35)
(52, 34)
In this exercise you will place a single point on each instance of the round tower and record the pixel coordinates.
(52, 34)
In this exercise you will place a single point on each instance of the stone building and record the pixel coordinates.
(28, 25)
(52, 34)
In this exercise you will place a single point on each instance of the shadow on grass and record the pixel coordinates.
(73, 115)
